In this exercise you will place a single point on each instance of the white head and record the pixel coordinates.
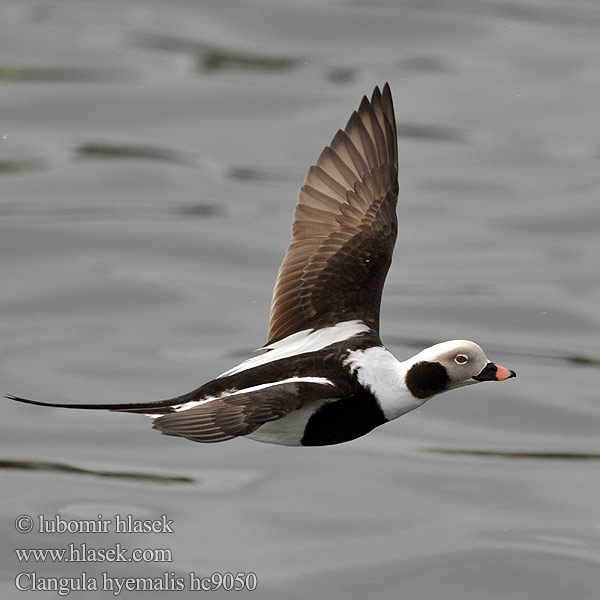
(450, 365)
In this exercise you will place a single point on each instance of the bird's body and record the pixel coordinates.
(325, 377)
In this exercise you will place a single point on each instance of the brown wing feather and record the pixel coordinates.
(344, 227)
(240, 414)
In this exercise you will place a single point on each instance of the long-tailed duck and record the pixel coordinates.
(325, 377)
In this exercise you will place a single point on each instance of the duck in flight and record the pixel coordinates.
(325, 377)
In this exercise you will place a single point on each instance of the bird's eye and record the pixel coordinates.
(461, 359)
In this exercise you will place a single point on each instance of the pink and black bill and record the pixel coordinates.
(494, 372)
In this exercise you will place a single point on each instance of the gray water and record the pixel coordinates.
(150, 157)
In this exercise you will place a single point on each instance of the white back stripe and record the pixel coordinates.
(254, 388)
(309, 340)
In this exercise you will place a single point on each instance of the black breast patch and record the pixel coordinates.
(343, 420)
(425, 379)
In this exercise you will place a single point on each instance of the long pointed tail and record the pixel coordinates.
(159, 407)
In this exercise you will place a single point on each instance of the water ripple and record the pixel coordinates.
(433, 132)
(108, 212)
(542, 13)
(97, 150)
(22, 165)
(67, 74)
(29, 465)
(211, 58)
(516, 454)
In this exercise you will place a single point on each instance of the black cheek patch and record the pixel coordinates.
(425, 379)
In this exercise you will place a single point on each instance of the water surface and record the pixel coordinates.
(150, 157)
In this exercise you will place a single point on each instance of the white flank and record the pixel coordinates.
(309, 340)
(289, 430)
(254, 388)
(383, 375)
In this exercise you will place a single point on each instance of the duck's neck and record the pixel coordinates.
(385, 377)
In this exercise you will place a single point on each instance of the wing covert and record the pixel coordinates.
(241, 413)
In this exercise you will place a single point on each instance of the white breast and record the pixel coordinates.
(383, 375)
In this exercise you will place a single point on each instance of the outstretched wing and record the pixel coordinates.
(344, 227)
(241, 413)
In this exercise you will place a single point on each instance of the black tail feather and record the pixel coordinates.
(159, 407)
